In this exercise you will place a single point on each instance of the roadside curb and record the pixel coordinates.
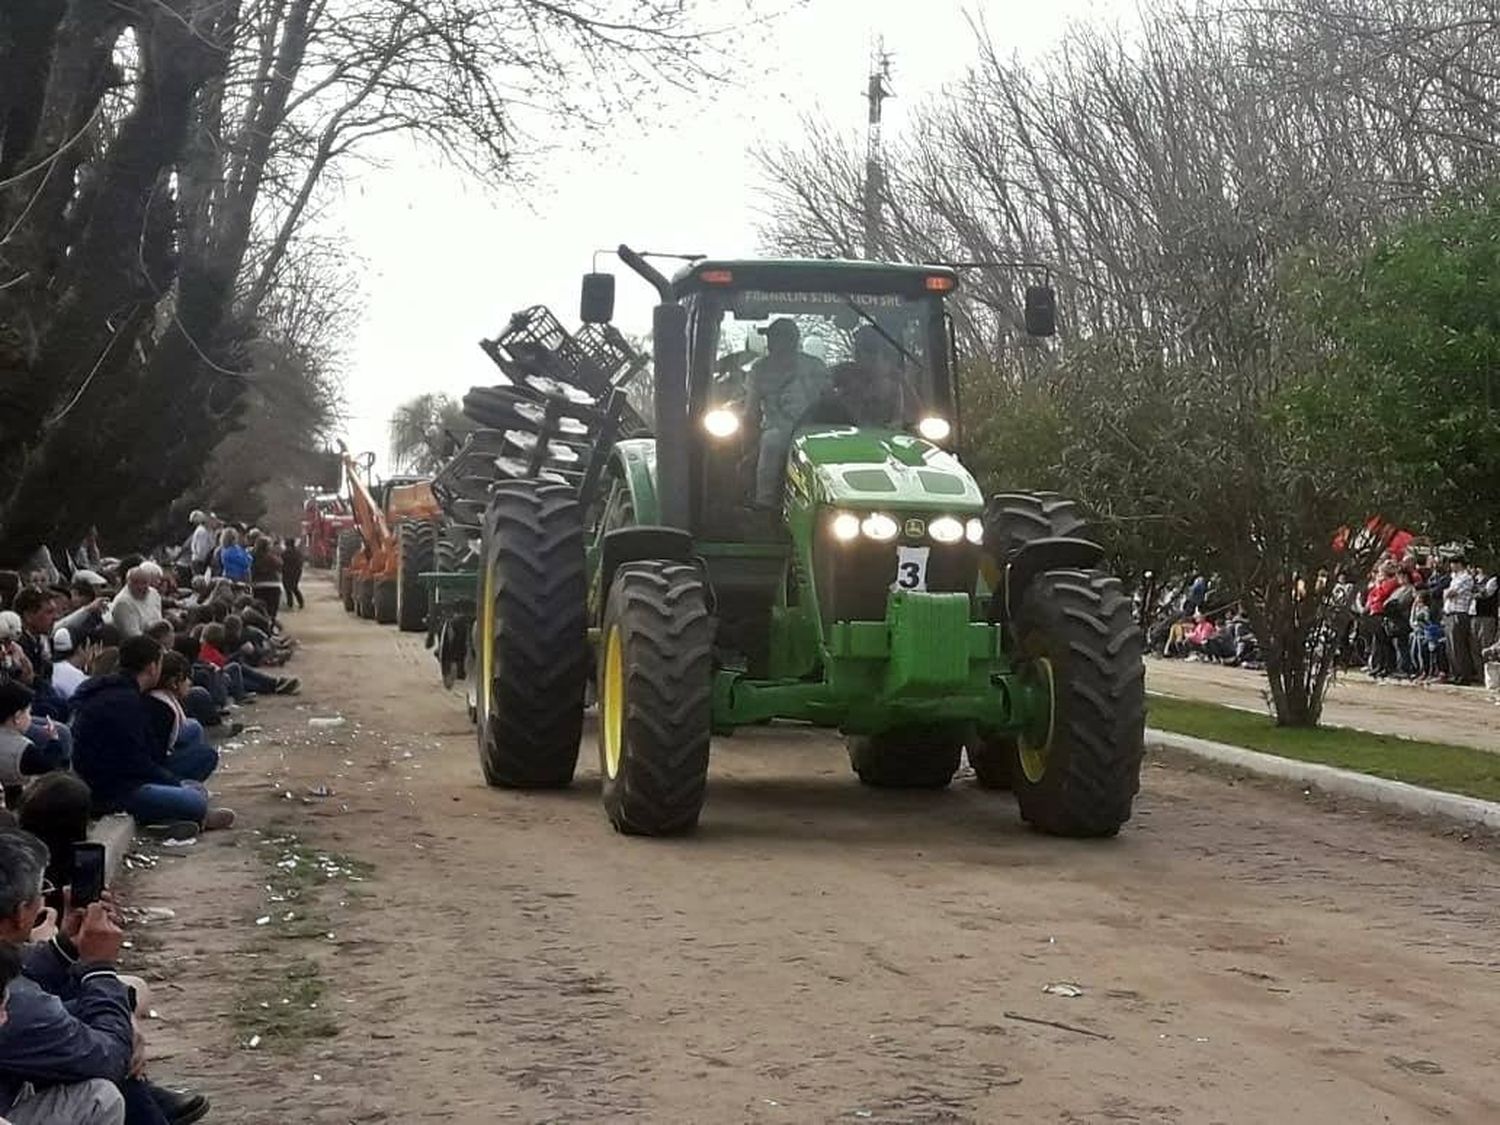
(1341, 782)
(116, 832)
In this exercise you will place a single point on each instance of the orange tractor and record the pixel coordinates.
(380, 560)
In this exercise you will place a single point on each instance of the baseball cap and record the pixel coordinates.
(92, 577)
(782, 325)
(62, 642)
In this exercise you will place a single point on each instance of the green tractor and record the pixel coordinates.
(842, 570)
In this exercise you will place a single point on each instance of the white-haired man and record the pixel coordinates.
(138, 604)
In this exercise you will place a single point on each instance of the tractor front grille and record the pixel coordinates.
(854, 578)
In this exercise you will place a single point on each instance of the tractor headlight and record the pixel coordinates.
(946, 529)
(974, 531)
(880, 527)
(845, 526)
(721, 423)
(934, 428)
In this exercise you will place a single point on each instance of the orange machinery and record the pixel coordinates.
(369, 584)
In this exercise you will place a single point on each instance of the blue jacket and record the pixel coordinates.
(66, 1022)
(235, 562)
(113, 749)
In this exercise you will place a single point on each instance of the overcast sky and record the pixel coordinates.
(443, 263)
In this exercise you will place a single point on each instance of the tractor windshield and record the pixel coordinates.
(792, 359)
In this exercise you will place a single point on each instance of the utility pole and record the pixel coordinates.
(878, 90)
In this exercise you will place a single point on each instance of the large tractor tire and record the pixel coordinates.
(383, 601)
(655, 681)
(416, 541)
(533, 636)
(346, 590)
(1075, 630)
(1013, 519)
(911, 758)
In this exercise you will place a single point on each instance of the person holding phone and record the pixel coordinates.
(70, 1047)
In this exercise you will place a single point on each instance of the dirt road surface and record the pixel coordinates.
(429, 950)
(1464, 716)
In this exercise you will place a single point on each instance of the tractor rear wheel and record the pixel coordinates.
(533, 636)
(1079, 775)
(655, 698)
(908, 758)
(415, 542)
(346, 590)
(383, 601)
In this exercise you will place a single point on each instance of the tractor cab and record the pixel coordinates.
(779, 349)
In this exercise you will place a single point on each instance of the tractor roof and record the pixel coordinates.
(814, 273)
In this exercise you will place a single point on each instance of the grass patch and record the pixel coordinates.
(1434, 765)
(285, 1010)
(280, 1006)
(296, 870)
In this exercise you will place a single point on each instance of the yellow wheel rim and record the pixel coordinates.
(612, 704)
(486, 643)
(1036, 745)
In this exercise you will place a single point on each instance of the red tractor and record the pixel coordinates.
(324, 515)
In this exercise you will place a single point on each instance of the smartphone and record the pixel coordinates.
(87, 883)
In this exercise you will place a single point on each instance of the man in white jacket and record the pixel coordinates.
(138, 605)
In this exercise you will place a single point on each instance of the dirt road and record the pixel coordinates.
(819, 952)
(1464, 716)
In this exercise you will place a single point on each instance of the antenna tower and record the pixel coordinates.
(876, 93)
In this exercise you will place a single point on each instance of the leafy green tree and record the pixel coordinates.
(1410, 336)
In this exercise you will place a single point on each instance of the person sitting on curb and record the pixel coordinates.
(87, 607)
(20, 756)
(179, 738)
(73, 659)
(215, 649)
(70, 1047)
(116, 754)
(137, 605)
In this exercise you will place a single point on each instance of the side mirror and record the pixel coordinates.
(597, 305)
(1041, 311)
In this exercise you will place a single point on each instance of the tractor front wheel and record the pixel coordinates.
(532, 636)
(655, 698)
(416, 541)
(1077, 772)
(346, 590)
(912, 758)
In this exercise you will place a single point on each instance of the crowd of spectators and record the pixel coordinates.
(1417, 615)
(117, 679)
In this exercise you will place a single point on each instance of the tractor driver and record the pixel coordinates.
(783, 384)
(867, 390)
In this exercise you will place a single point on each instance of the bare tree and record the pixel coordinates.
(158, 159)
(1171, 177)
